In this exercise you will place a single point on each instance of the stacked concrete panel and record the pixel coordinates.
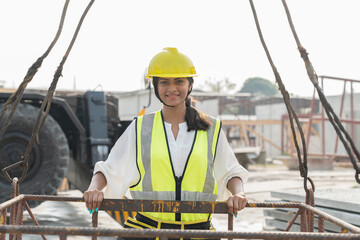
(343, 204)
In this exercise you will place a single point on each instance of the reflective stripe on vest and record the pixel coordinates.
(157, 176)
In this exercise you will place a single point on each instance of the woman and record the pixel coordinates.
(173, 154)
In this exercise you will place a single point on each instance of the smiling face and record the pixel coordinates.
(173, 91)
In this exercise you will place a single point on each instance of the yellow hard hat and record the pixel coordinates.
(171, 63)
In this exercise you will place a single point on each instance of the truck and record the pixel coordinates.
(79, 130)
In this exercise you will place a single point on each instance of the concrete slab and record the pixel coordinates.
(287, 216)
(336, 198)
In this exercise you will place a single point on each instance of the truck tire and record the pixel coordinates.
(48, 160)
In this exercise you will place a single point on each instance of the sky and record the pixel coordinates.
(118, 39)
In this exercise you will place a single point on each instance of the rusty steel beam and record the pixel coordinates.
(152, 233)
(332, 219)
(131, 205)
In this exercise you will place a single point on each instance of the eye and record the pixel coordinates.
(180, 81)
(163, 82)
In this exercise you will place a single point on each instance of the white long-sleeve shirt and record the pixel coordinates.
(121, 172)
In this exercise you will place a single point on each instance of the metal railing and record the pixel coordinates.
(15, 228)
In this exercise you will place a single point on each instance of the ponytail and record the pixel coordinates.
(194, 120)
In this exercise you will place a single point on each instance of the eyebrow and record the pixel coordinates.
(166, 79)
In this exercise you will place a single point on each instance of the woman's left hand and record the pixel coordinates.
(236, 203)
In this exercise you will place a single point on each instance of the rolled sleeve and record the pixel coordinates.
(120, 168)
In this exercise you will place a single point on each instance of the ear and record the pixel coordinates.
(190, 86)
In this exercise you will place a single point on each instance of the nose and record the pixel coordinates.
(172, 87)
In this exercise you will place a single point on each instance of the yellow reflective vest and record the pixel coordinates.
(157, 176)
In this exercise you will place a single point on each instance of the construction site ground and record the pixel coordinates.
(262, 180)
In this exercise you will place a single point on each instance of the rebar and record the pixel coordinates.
(332, 219)
(152, 233)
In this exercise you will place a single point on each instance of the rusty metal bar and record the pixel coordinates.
(340, 115)
(177, 206)
(293, 220)
(343, 79)
(33, 218)
(13, 207)
(152, 233)
(230, 223)
(303, 222)
(318, 119)
(94, 223)
(11, 202)
(130, 205)
(332, 219)
(185, 207)
(19, 218)
(53, 198)
(320, 224)
(310, 200)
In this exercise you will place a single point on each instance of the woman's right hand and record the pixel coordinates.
(93, 200)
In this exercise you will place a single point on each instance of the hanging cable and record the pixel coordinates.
(291, 112)
(333, 118)
(47, 102)
(15, 98)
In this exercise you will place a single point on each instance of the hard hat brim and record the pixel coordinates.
(169, 75)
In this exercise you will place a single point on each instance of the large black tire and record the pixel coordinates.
(48, 160)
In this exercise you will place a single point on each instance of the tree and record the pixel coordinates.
(218, 86)
(260, 86)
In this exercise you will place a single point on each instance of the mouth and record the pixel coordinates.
(172, 96)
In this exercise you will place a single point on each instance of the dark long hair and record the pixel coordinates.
(194, 119)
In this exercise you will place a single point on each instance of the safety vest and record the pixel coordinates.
(157, 176)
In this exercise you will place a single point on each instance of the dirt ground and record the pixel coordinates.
(262, 180)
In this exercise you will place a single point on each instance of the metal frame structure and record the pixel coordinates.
(306, 212)
(286, 145)
(311, 118)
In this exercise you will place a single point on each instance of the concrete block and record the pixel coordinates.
(343, 204)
